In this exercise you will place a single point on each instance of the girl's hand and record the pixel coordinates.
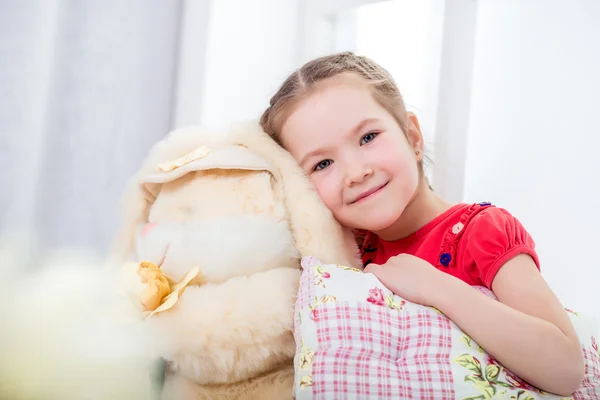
(410, 277)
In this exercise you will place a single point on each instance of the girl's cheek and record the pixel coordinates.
(326, 188)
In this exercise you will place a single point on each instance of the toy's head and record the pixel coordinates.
(232, 203)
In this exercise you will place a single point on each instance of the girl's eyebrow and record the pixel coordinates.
(361, 125)
(311, 154)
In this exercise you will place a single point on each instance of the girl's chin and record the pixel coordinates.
(379, 224)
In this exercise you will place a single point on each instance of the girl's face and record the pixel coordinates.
(355, 153)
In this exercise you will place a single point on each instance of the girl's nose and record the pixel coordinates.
(357, 173)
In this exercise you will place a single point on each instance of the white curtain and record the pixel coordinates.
(86, 88)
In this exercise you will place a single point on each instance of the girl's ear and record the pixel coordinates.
(414, 135)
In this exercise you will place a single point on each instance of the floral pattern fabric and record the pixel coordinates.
(357, 340)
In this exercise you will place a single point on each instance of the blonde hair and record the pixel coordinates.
(305, 80)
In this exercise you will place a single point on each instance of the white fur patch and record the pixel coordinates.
(225, 247)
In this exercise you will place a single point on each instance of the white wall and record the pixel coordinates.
(251, 48)
(534, 140)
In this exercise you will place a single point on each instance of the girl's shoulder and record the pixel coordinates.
(487, 227)
(487, 218)
(491, 237)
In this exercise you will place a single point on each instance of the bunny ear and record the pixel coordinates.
(315, 230)
(219, 156)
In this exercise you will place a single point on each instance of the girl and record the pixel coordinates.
(343, 118)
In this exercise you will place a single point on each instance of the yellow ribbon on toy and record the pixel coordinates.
(156, 292)
(171, 299)
(197, 154)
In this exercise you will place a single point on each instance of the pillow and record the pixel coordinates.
(355, 339)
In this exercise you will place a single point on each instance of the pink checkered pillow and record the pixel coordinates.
(356, 340)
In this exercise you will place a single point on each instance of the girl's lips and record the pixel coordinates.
(369, 193)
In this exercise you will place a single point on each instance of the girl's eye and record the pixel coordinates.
(368, 138)
(322, 165)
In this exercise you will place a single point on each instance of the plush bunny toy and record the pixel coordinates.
(215, 226)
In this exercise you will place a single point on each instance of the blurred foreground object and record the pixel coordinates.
(67, 332)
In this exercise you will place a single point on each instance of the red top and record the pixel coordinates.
(469, 241)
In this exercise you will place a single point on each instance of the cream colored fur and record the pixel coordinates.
(230, 338)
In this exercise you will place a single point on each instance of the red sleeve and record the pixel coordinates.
(493, 238)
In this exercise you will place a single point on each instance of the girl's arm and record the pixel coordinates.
(527, 330)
